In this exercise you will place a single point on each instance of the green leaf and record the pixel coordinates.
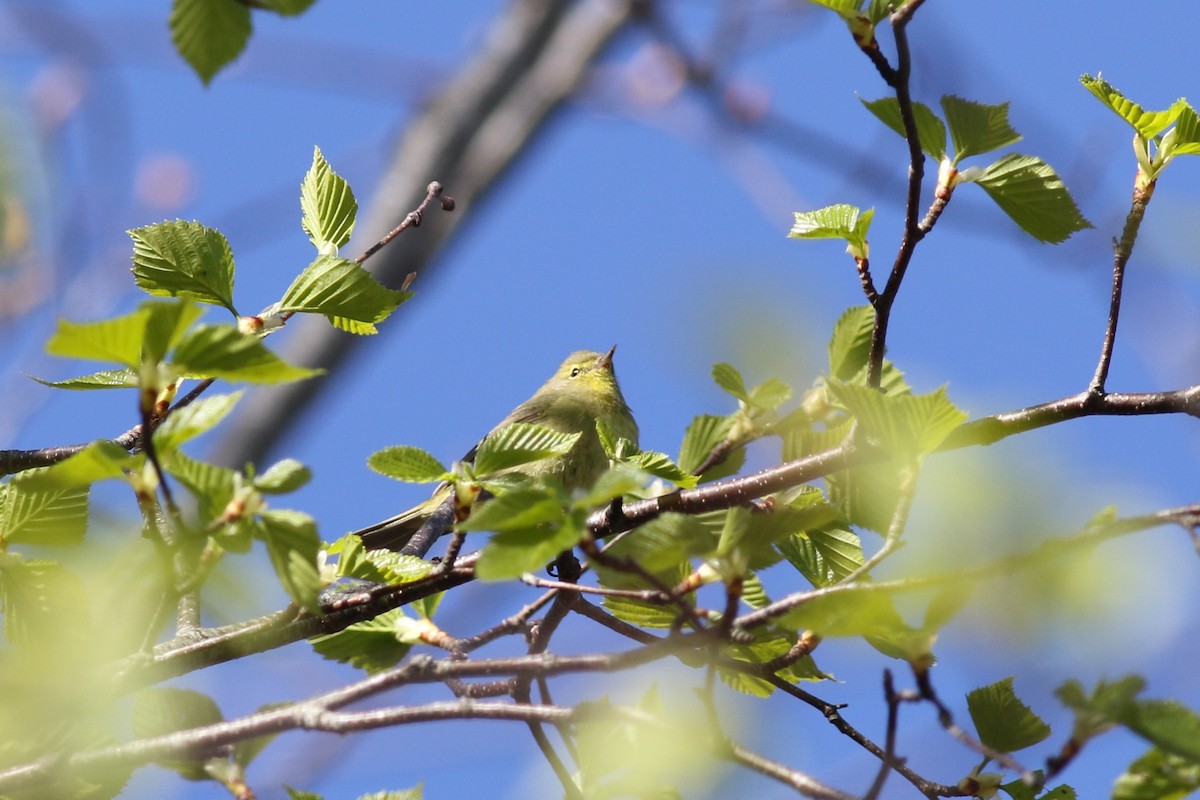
(287, 8)
(292, 543)
(34, 513)
(640, 612)
(515, 510)
(159, 711)
(283, 477)
(184, 258)
(977, 128)
(104, 379)
(1107, 705)
(1031, 193)
(296, 794)
(515, 552)
(850, 345)
(910, 425)
(1148, 124)
(703, 434)
(520, 443)
(660, 465)
(220, 351)
(615, 482)
(1158, 775)
(1003, 722)
(769, 395)
(165, 324)
(661, 547)
(344, 292)
(194, 419)
(99, 461)
(211, 485)
(930, 131)
(835, 222)
(370, 645)
(1171, 726)
(1187, 132)
(118, 339)
(408, 464)
(397, 569)
(823, 555)
(729, 379)
(209, 33)
(328, 206)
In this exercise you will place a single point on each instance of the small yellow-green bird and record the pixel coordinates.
(583, 389)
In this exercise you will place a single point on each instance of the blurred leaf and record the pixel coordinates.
(194, 419)
(1170, 725)
(1031, 193)
(159, 711)
(1148, 124)
(1107, 705)
(1003, 722)
(49, 516)
(930, 130)
(977, 127)
(850, 345)
(517, 509)
(184, 258)
(910, 425)
(118, 339)
(770, 394)
(341, 290)
(209, 33)
(211, 485)
(296, 794)
(1156, 776)
(292, 543)
(370, 645)
(615, 482)
(516, 551)
(729, 379)
(408, 464)
(43, 603)
(520, 443)
(104, 379)
(283, 477)
(220, 351)
(100, 460)
(661, 547)
(328, 206)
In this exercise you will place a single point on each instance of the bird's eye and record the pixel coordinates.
(575, 372)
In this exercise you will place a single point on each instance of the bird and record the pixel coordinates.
(581, 391)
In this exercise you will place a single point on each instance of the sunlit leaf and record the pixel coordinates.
(328, 206)
(408, 464)
(220, 351)
(1148, 124)
(1031, 193)
(209, 33)
(520, 443)
(292, 543)
(931, 132)
(1003, 722)
(341, 290)
(977, 128)
(184, 258)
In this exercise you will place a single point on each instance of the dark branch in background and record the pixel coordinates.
(1122, 250)
(468, 136)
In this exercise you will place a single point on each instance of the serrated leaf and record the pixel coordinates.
(396, 568)
(44, 515)
(931, 132)
(703, 434)
(408, 464)
(1148, 124)
(41, 601)
(220, 351)
(910, 425)
(1031, 193)
(1003, 722)
(211, 485)
(209, 33)
(296, 794)
(328, 206)
(292, 544)
(370, 645)
(520, 443)
(284, 476)
(823, 555)
(287, 8)
(855, 612)
(640, 612)
(835, 222)
(729, 379)
(850, 345)
(514, 552)
(1158, 776)
(118, 339)
(660, 465)
(166, 322)
(159, 711)
(99, 461)
(194, 419)
(977, 128)
(1187, 132)
(104, 379)
(342, 291)
(770, 394)
(184, 258)
(515, 510)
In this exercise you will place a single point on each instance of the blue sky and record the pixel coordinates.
(656, 228)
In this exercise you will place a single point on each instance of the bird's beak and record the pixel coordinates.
(606, 359)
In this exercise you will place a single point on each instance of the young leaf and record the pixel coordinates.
(118, 339)
(515, 510)
(642, 613)
(104, 379)
(515, 552)
(41, 602)
(729, 379)
(292, 543)
(99, 461)
(370, 645)
(930, 130)
(850, 345)
(284, 476)
(42, 515)
(1003, 722)
(341, 290)
(328, 206)
(408, 464)
(1107, 705)
(1171, 726)
(166, 322)
(1187, 132)
(1148, 124)
(220, 351)
(211, 485)
(520, 443)
(909, 424)
(836, 222)
(660, 465)
(287, 8)
(1157, 775)
(977, 128)
(194, 419)
(1031, 193)
(209, 33)
(823, 555)
(184, 258)
(159, 711)
(661, 546)
(769, 395)
(703, 434)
